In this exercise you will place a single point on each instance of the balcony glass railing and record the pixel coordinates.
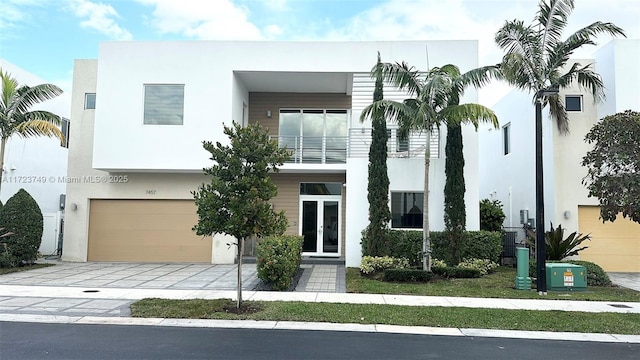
(315, 150)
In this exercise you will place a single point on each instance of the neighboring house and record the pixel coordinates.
(507, 165)
(39, 164)
(142, 109)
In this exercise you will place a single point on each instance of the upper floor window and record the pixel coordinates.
(314, 136)
(163, 104)
(506, 139)
(573, 102)
(407, 210)
(90, 101)
(64, 127)
(397, 142)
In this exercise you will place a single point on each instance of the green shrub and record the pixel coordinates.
(451, 272)
(474, 245)
(375, 264)
(407, 275)
(278, 259)
(22, 216)
(485, 266)
(491, 215)
(438, 263)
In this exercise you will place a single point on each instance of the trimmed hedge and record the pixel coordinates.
(407, 275)
(22, 216)
(278, 259)
(596, 276)
(451, 272)
(375, 264)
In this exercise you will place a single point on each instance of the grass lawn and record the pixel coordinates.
(497, 285)
(23, 268)
(456, 317)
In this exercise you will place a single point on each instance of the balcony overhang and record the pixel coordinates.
(296, 82)
(288, 168)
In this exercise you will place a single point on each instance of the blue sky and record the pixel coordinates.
(44, 36)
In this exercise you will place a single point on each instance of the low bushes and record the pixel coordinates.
(407, 275)
(278, 259)
(375, 264)
(596, 276)
(483, 265)
(452, 272)
(474, 245)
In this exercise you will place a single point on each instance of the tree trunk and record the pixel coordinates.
(3, 143)
(426, 242)
(240, 250)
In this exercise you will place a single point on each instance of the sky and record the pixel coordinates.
(44, 37)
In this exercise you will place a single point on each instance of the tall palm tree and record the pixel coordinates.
(15, 117)
(536, 57)
(434, 101)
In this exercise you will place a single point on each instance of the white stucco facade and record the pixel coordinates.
(38, 164)
(166, 161)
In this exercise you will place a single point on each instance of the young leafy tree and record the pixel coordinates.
(491, 215)
(22, 216)
(434, 101)
(378, 185)
(613, 166)
(236, 201)
(455, 215)
(15, 117)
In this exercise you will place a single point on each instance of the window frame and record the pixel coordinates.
(506, 139)
(144, 104)
(65, 127)
(402, 224)
(86, 101)
(580, 99)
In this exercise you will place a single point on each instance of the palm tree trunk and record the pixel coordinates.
(240, 250)
(3, 143)
(426, 242)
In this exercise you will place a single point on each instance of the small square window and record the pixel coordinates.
(573, 102)
(506, 139)
(90, 101)
(163, 104)
(407, 210)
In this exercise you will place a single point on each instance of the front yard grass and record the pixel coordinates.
(497, 285)
(456, 317)
(23, 268)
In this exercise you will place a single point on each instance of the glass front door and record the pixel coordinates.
(320, 225)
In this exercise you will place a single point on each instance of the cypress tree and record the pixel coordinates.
(455, 215)
(378, 185)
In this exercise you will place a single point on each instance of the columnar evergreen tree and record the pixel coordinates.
(236, 201)
(378, 185)
(455, 215)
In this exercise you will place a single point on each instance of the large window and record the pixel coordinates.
(163, 104)
(506, 139)
(407, 210)
(573, 102)
(314, 136)
(90, 101)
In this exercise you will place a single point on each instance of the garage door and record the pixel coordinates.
(614, 246)
(145, 231)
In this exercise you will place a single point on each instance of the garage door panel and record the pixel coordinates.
(614, 246)
(146, 231)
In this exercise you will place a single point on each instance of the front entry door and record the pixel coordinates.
(320, 225)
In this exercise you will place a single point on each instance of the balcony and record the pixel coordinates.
(336, 149)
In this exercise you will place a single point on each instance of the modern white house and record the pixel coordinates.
(507, 160)
(142, 109)
(39, 164)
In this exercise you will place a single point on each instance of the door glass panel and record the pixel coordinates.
(330, 227)
(312, 135)
(310, 226)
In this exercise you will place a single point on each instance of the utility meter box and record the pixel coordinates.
(566, 277)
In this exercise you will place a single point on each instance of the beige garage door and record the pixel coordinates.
(614, 246)
(145, 231)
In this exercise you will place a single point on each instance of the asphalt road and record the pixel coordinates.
(73, 341)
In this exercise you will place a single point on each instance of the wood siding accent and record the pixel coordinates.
(288, 198)
(146, 231)
(260, 103)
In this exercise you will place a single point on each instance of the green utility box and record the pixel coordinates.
(566, 277)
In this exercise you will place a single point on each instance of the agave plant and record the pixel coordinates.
(558, 247)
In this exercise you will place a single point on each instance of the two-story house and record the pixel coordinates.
(142, 109)
(507, 165)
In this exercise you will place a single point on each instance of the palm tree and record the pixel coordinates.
(434, 101)
(536, 57)
(15, 117)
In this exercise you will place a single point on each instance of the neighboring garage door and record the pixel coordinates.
(614, 246)
(145, 231)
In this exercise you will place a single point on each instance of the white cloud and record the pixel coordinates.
(272, 31)
(203, 19)
(13, 13)
(100, 17)
(275, 4)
